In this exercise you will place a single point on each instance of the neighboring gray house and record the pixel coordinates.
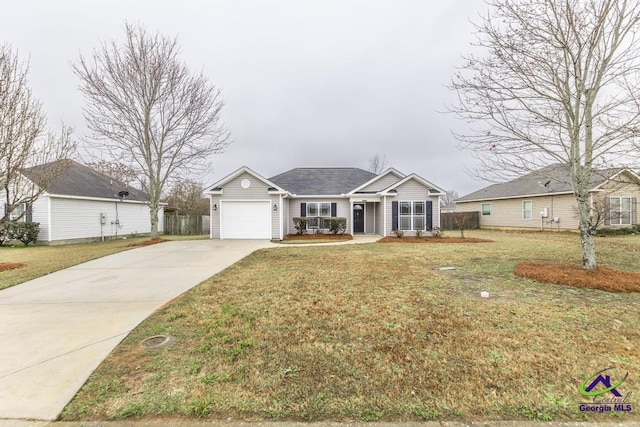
(246, 205)
(82, 204)
(544, 199)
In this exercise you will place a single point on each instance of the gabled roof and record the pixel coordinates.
(218, 185)
(430, 186)
(397, 173)
(77, 180)
(322, 181)
(552, 179)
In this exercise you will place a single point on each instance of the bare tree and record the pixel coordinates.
(186, 197)
(116, 170)
(145, 108)
(24, 141)
(556, 84)
(377, 163)
(449, 197)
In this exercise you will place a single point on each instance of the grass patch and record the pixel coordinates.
(6, 266)
(602, 278)
(373, 332)
(40, 260)
(432, 239)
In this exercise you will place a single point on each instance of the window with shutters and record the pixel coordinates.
(411, 216)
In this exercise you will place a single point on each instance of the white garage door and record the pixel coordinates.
(245, 220)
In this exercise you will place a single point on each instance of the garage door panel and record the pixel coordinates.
(245, 219)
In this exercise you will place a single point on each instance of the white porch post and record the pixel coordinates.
(384, 216)
(351, 215)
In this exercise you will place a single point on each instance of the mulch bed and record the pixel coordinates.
(602, 278)
(336, 237)
(147, 242)
(6, 266)
(432, 239)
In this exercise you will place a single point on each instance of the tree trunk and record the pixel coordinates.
(587, 231)
(153, 213)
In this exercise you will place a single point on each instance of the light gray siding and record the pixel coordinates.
(384, 182)
(380, 216)
(80, 219)
(369, 218)
(412, 190)
(40, 210)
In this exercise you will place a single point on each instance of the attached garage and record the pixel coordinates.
(247, 219)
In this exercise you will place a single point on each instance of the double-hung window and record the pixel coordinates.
(317, 213)
(18, 212)
(527, 209)
(620, 210)
(411, 216)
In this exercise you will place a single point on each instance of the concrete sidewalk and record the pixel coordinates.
(55, 330)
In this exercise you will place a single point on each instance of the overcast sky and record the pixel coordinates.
(324, 83)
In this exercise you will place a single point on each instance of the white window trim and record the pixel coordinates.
(530, 210)
(412, 215)
(618, 213)
(320, 217)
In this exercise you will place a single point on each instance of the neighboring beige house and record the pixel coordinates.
(544, 200)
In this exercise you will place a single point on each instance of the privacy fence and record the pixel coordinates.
(186, 224)
(453, 220)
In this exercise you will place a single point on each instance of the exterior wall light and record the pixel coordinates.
(275, 207)
(215, 207)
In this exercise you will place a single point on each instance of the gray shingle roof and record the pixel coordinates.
(322, 181)
(76, 179)
(556, 176)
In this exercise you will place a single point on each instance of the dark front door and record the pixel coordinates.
(358, 218)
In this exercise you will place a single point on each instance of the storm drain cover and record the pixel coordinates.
(157, 341)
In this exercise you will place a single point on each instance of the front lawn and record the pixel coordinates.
(376, 332)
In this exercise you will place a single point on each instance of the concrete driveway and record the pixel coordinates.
(55, 330)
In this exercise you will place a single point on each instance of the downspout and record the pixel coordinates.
(211, 217)
(49, 218)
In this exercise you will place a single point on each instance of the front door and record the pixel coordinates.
(358, 218)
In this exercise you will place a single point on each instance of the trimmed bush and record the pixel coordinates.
(399, 233)
(337, 225)
(622, 231)
(300, 224)
(26, 232)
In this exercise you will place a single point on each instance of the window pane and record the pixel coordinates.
(526, 210)
(312, 222)
(625, 203)
(405, 208)
(486, 209)
(418, 223)
(312, 209)
(418, 208)
(405, 223)
(325, 209)
(625, 218)
(615, 204)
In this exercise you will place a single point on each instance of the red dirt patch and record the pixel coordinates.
(6, 266)
(602, 278)
(432, 239)
(147, 242)
(336, 237)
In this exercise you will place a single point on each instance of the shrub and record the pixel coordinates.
(622, 231)
(26, 232)
(301, 225)
(337, 225)
(436, 232)
(419, 232)
(399, 233)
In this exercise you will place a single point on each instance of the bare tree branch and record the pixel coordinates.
(146, 109)
(377, 164)
(23, 139)
(557, 84)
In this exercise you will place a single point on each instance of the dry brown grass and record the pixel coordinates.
(602, 278)
(147, 242)
(374, 332)
(6, 266)
(432, 239)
